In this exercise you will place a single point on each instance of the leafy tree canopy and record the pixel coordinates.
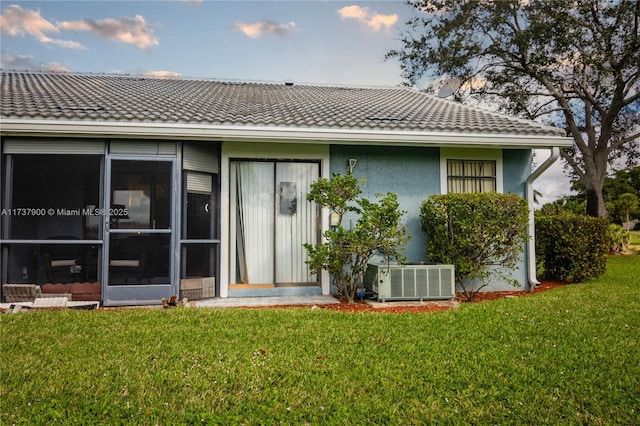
(616, 190)
(571, 63)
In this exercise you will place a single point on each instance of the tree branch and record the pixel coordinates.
(632, 99)
(623, 141)
(573, 164)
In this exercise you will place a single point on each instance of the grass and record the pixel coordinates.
(568, 355)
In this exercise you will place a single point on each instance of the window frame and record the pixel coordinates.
(470, 154)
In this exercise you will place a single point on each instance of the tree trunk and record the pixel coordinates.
(593, 180)
(595, 203)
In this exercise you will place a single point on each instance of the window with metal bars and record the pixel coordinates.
(471, 176)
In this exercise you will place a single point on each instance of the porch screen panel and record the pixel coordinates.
(295, 221)
(252, 185)
(61, 193)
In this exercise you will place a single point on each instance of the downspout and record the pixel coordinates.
(531, 244)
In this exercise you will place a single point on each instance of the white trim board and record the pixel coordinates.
(179, 131)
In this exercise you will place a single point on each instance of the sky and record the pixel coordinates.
(325, 42)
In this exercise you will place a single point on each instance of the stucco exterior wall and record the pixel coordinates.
(414, 174)
(411, 173)
(516, 168)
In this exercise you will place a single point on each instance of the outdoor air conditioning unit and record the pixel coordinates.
(410, 282)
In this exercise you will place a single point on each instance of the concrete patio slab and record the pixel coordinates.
(234, 302)
(445, 303)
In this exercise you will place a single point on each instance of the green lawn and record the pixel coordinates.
(570, 355)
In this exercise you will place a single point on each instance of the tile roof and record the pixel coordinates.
(141, 99)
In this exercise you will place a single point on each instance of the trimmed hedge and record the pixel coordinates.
(572, 248)
(481, 234)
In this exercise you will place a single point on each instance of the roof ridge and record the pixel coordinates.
(285, 82)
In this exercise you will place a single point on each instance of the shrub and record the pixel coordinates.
(346, 252)
(572, 248)
(618, 238)
(482, 235)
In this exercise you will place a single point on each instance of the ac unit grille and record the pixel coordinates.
(410, 282)
(396, 284)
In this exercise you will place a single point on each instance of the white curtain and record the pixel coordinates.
(252, 188)
(271, 220)
(295, 228)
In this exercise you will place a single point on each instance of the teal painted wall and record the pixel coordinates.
(411, 173)
(516, 166)
(516, 169)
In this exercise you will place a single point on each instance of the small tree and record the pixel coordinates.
(482, 235)
(619, 238)
(346, 252)
(626, 204)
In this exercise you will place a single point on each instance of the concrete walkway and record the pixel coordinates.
(407, 303)
(234, 302)
(229, 302)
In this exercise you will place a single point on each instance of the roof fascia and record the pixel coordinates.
(21, 127)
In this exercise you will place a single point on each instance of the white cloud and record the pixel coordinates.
(56, 67)
(128, 30)
(256, 29)
(17, 61)
(474, 84)
(163, 74)
(553, 183)
(27, 62)
(375, 21)
(16, 21)
(353, 11)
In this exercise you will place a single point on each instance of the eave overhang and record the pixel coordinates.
(266, 134)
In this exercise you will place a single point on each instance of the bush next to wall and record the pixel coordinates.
(482, 235)
(345, 253)
(572, 248)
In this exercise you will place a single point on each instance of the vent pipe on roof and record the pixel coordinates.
(531, 244)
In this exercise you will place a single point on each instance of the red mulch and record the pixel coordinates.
(358, 306)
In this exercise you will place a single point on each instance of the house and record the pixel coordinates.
(153, 186)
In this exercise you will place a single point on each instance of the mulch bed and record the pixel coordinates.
(358, 307)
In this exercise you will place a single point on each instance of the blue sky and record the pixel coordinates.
(328, 42)
(304, 41)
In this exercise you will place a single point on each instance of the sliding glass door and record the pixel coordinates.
(271, 219)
